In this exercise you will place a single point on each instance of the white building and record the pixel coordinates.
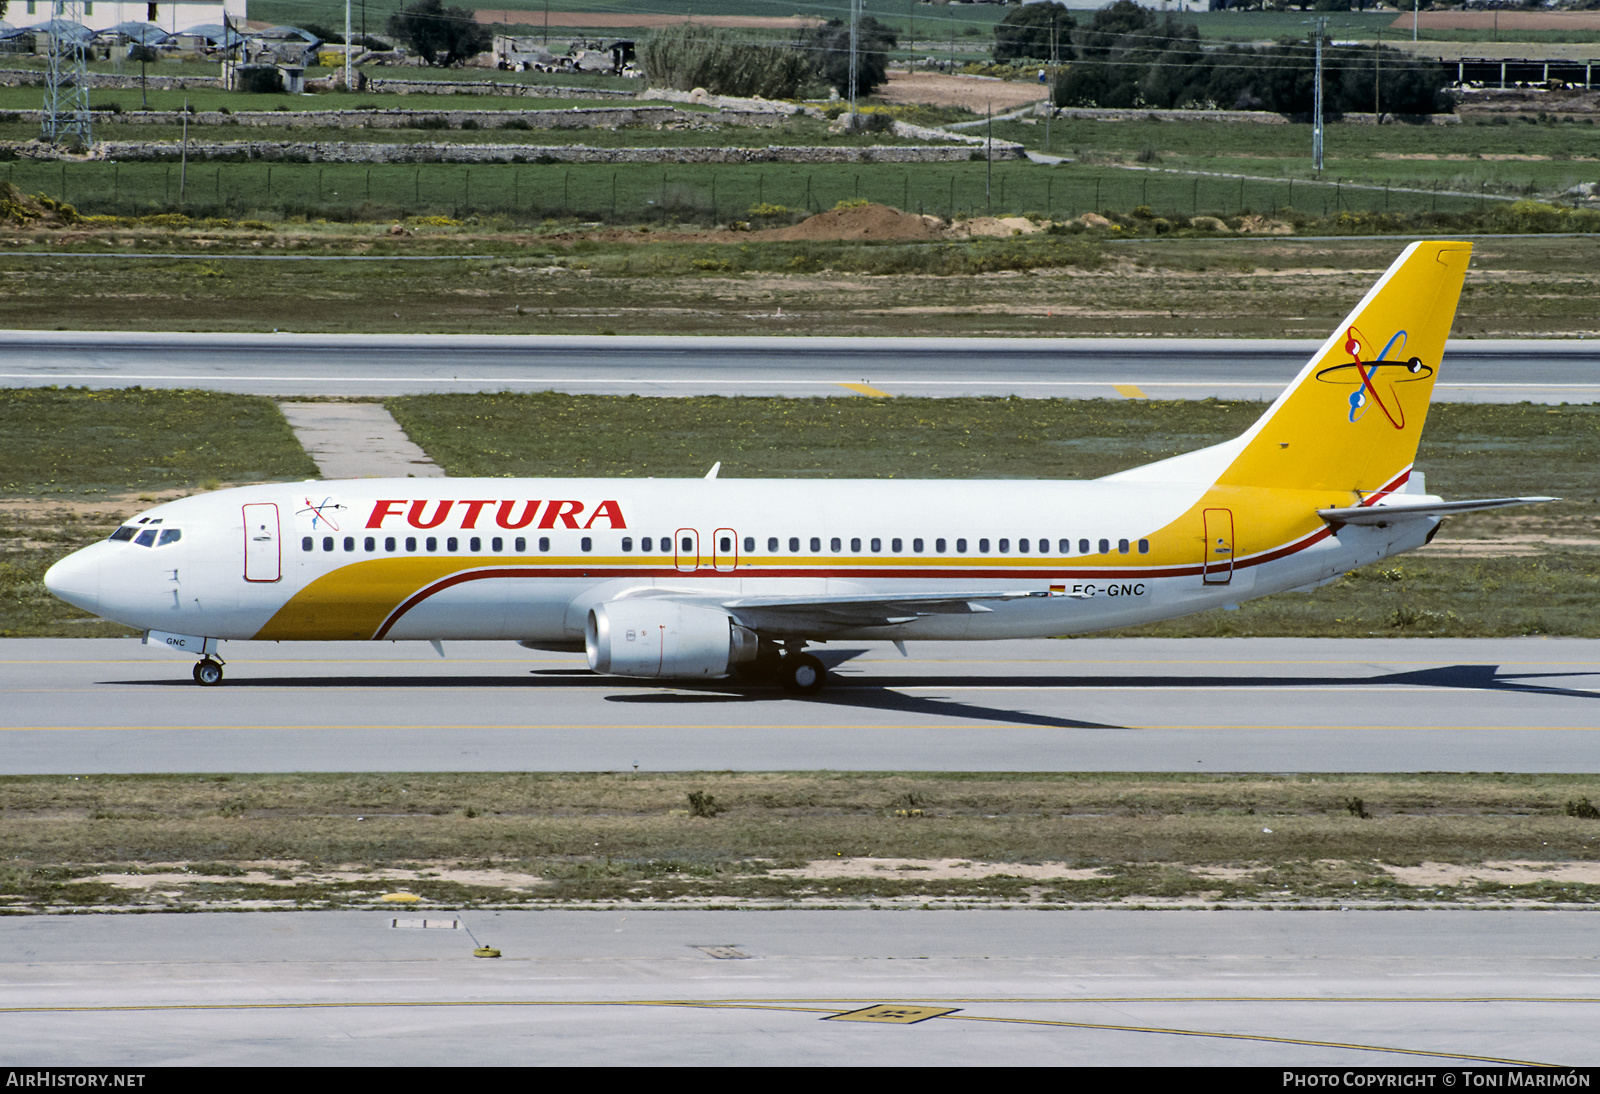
(98, 15)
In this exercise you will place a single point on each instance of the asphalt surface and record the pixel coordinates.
(79, 706)
(629, 986)
(379, 365)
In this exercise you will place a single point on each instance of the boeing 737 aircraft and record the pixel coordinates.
(703, 578)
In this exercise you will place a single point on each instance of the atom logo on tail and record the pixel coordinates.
(1375, 379)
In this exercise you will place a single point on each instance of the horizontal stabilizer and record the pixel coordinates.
(1388, 514)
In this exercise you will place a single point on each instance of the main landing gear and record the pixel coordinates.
(796, 672)
(208, 672)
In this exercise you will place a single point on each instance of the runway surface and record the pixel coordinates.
(1439, 988)
(85, 706)
(1545, 371)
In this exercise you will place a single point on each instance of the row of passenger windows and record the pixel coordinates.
(663, 544)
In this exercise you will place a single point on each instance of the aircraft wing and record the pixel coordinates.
(870, 610)
(1388, 514)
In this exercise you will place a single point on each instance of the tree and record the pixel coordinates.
(830, 54)
(1040, 32)
(439, 35)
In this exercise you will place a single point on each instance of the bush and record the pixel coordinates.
(702, 804)
(688, 56)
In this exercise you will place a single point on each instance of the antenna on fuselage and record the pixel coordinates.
(714, 469)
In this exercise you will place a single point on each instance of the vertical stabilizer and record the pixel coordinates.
(1352, 419)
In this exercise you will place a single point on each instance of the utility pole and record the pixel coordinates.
(1316, 124)
(347, 45)
(66, 90)
(855, 32)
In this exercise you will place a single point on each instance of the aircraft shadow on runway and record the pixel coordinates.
(880, 692)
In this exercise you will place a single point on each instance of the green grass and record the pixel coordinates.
(312, 840)
(78, 442)
(646, 193)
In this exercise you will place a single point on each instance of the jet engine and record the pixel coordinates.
(664, 639)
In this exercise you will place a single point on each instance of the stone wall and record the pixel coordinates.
(350, 152)
(603, 117)
(27, 77)
(1258, 117)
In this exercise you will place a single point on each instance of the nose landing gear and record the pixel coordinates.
(208, 672)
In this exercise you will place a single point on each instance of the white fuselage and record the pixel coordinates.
(526, 559)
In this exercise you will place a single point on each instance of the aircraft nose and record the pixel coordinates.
(76, 579)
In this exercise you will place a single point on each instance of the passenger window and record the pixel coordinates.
(370, 544)
(877, 545)
(896, 545)
(411, 543)
(794, 543)
(349, 543)
(586, 544)
(1105, 546)
(308, 544)
(1005, 546)
(983, 546)
(519, 545)
(327, 543)
(627, 543)
(1044, 546)
(644, 545)
(916, 546)
(938, 546)
(816, 543)
(1065, 547)
(1144, 546)
(124, 533)
(475, 544)
(388, 544)
(961, 546)
(544, 543)
(452, 543)
(834, 544)
(772, 543)
(1122, 546)
(855, 545)
(171, 535)
(1083, 546)
(1022, 546)
(497, 544)
(432, 543)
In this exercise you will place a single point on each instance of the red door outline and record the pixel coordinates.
(263, 545)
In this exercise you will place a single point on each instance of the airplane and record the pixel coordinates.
(699, 579)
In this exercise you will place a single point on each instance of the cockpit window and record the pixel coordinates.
(124, 533)
(170, 535)
(147, 538)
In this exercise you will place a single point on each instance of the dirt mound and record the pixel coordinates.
(992, 227)
(19, 208)
(1262, 226)
(857, 222)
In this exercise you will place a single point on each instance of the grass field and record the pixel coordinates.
(565, 278)
(696, 193)
(310, 841)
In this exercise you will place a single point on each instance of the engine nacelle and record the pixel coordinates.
(662, 639)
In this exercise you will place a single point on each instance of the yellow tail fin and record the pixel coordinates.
(1352, 418)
